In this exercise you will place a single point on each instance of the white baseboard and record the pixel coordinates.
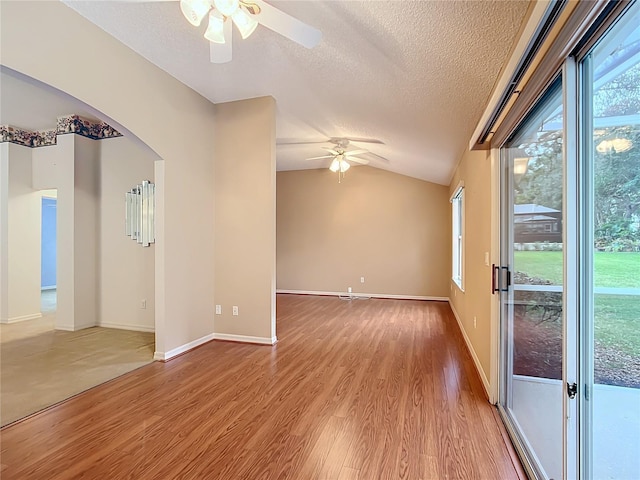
(73, 328)
(476, 360)
(245, 339)
(123, 326)
(361, 294)
(164, 356)
(22, 318)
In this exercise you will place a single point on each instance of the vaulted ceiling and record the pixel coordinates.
(415, 75)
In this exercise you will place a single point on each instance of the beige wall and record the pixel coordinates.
(475, 171)
(53, 167)
(134, 95)
(23, 238)
(389, 228)
(245, 218)
(126, 268)
(4, 233)
(86, 213)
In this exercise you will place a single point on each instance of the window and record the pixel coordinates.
(457, 203)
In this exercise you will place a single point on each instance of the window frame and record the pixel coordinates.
(457, 236)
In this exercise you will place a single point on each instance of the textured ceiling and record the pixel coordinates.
(415, 75)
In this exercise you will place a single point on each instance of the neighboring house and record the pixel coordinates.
(536, 223)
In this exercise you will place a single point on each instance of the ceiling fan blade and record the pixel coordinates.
(319, 158)
(287, 26)
(379, 157)
(356, 152)
(222, 52)
(364, 140)
(361, 161)
(331, 151)
(295, 141)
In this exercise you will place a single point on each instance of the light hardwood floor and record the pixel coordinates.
(375, 389)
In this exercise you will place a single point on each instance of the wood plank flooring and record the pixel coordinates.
(368, 389)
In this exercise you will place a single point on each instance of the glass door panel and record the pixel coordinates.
(611, 252)
(532, 302)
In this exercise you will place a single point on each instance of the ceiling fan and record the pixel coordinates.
(341, 157)
(245, 15)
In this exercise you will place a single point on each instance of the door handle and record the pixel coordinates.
(497, 275)
(507, 278)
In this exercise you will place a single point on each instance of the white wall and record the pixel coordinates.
(126, 268)
(134, 95)
(22, 238)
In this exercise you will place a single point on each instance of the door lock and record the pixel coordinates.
(572, 390)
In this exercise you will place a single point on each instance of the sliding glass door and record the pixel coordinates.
(569, 273)
(610, 210)
(531, 281)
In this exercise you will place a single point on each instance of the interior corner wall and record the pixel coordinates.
(23, 238)
(475, 301)
(135, 96)
(4, 236)
(245, 214)
(86, 212)
(126, 268)
(391, 229)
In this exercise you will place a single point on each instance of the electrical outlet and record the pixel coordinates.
(486, 258)
(349, 289)
(218, 309)
(143, 304)
(361, 279)
(475, 322)
(235, 310)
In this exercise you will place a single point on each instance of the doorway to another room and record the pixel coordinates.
(48, 292)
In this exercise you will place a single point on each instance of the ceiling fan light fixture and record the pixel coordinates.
(245, 22)
(339, 164)
(215, 30)
(615, 145)
(227, 7)
(195, 10)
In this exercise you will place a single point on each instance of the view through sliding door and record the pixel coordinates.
(531, 281)
(610, 312)
(569, 273)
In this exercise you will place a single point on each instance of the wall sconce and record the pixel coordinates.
(140, 203)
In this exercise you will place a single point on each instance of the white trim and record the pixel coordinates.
(495, 368)
(360, 294)
(537, 14)
(121, 326)
(572, 264)
(228, 337)
(456, 191)
(182, 349)
(72, 328)
(476, 360)
(528, 378)
(22, 318)
(50, 287)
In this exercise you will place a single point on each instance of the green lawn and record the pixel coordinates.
(612, 269)
(616, 322)
(617, 317)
